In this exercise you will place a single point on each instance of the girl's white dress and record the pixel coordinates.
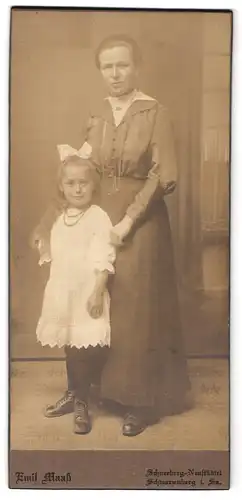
(77, 252)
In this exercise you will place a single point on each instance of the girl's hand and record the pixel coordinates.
(121, 230)
(95, 304)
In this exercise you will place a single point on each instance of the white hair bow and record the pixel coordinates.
(65, 150)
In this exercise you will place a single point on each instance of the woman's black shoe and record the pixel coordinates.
(61, 407)
(82, 422)
(133, 425)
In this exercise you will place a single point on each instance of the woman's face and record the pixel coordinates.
(118, 70)
(77, 186)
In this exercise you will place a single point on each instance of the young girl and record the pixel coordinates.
(75, 312)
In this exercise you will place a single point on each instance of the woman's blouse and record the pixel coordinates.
(141, 146)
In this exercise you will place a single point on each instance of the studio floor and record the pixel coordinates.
(37, 383)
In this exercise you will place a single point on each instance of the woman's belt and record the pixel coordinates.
(109, 176)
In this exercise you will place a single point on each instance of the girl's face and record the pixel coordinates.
(77, 186)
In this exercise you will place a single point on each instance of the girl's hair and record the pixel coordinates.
(82, 163)
(117, 41)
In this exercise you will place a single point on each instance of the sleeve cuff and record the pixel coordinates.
(104, 266)
(168, 187)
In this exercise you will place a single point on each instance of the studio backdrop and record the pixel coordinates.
(54, 82)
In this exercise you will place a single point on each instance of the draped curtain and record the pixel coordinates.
(175, 56)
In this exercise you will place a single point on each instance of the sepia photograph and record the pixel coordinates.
(119, 347)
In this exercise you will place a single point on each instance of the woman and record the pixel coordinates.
(131, 141)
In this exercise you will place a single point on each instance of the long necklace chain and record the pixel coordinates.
(77, 217)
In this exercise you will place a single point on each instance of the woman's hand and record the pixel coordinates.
(45, 258)
(121, 230)
(95, 304)
(42, 246)
(39, 238)
(34, 239)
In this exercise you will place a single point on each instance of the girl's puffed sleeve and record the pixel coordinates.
(162, 175)
(102, 251)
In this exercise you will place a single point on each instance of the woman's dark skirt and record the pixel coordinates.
(146, 364)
